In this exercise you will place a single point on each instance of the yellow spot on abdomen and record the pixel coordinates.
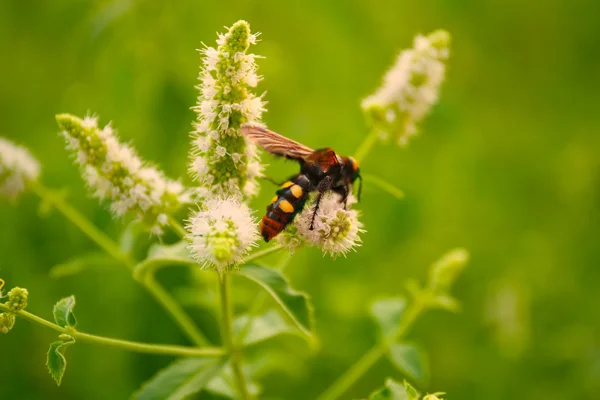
(274, 199)
(287, 184)
(286, 206)
(296, 191)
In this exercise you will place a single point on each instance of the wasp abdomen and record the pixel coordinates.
(288, 202)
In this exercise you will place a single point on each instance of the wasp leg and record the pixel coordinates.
(322, 187)
(342, 191)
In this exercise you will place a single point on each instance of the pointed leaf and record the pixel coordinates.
(259, 328)
(180, 379)
(387, 313)
(410, 360)
(223, 384)
(411, 391)
(295, 304)
(85, 262)
(56, 361)
(161, 255)
(135, 234)
(391, 391)
(63, 312)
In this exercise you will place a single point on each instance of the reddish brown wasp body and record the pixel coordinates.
(321, 170)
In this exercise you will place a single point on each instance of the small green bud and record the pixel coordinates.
(444, 272)
(17, 299)
(7, 321)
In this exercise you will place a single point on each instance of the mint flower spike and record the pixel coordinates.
(335, 228)
(221, 233)
(17, 299)
(410, 88)
(18, 169)
(115, 173)
(222, 160)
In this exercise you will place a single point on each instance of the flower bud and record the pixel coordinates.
(17, 299)
(444, 272)
(410, 88)
(223, 161)
(221, 233)
(7, 322)
(115, 173)
(18, 169)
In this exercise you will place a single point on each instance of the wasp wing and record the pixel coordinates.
(275, 143)
(325, 158)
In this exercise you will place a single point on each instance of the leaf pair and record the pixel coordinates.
(393, 390)
(65, 318)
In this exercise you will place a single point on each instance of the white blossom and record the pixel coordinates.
(18, 169)
(115, 173)
(410, 88)
(335, 229)
(223, 161)
(221, 233)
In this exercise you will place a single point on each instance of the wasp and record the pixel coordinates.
(321, 170)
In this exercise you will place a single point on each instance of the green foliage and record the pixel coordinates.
(160, 255)
(56, 361)
(63, 312)
(294, 303)
(90, 261)
(411, 360)
(259, 328)
(393, 390)
(387, 313)
(179, 380)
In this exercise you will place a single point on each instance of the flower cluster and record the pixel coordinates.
(221, 233)
(18, 169)
(335, 228)
(116, 173)
(17, 301)
(223, 161)
(410, 88)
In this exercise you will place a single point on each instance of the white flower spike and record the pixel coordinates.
(221, 233)
(115, 173)
(410, 88)
(223, 161)
(18, 169)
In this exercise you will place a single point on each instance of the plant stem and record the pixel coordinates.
(111, 247)
(339, 387)
(162, 349)
(365, 147)
(177, 227)
(84, 224)
(227, 332)
(261, 253)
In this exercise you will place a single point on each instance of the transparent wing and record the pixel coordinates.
(275, 143)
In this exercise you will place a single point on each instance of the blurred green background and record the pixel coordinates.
(508, 166)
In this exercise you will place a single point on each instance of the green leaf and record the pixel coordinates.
(63, 312)
(295, 304)
(179, 380)
(387, 313)
(223, 384)
(56, 361)
(411, 391)
(394, 391)
(384, 185)
(133, 233)
(262, 327)
(410, 360)
(445, 302)
(161, 255)
(85, 262)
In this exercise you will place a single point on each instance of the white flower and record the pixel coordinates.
(410, 88)
(18, 169)
(221, 233)
(223, 161)
(335, 230)
(115, 173)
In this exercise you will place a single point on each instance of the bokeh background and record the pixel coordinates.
(508, 166)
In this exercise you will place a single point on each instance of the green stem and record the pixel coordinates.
(177, 227)
(262, 253)
(339, 387)
(385, 185)
(138, 347)
(112, 248)
(227, 332)
(365, 147)
(91, 230)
